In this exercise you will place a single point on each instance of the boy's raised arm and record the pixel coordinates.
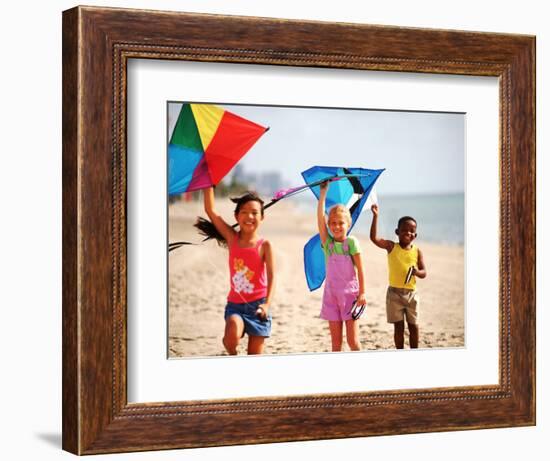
(321, 224)
(379, 242)
(219, 223)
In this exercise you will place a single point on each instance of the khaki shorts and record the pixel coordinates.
(400, 304)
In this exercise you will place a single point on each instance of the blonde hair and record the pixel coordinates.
(340, 209)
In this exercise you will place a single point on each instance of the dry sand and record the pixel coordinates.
(199, 283)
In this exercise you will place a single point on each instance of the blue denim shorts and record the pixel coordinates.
(253, 325)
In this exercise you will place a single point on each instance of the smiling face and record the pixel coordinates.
(339, 223)
(406, 232)
(249, 216)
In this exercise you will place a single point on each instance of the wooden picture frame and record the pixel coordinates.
(97, 43)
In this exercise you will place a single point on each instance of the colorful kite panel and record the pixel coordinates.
(207, 142)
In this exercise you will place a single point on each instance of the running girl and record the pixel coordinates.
(251, 269)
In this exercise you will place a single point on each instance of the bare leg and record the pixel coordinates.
(399, 334)
(352, 335)
(234, 327)
(255, 345)
(413, 336)
(335, 327)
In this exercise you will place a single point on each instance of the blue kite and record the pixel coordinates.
(352, 189)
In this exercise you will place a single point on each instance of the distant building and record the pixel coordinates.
(269, 182)
(265, 183)
(238, 175)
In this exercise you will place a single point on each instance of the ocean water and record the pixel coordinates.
(440, 218)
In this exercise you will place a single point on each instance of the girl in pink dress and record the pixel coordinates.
(345, 280)
(251, 269)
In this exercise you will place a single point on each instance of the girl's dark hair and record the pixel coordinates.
(208, 230)
(248, 196)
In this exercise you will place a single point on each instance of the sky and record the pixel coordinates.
(422, 152)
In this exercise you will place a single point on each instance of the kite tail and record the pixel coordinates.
(208, 230)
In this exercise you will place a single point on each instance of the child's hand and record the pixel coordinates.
(324, 186)
(374, 209)
(261, 312)
(361, 299)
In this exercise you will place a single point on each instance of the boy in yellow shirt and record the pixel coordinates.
(405, 263)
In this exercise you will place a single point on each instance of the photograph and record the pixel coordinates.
(303, 230)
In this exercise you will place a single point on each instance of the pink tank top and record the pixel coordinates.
(248, 279)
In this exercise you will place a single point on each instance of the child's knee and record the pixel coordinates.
(230, 338)
(234, 327)
(399, 327)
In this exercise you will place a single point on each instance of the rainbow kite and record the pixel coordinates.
(206, 143)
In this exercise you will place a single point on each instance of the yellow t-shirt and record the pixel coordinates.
(399, 263)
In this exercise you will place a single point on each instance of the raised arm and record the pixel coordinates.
(321, 223)
(379, 242)
(222, 227)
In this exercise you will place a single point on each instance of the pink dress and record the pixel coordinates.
(341, 285)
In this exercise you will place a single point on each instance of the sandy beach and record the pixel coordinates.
(199, 283)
